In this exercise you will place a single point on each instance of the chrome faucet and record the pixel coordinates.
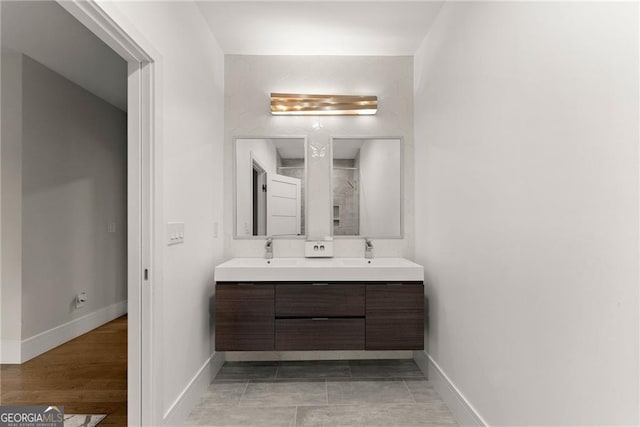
(368, 248)
(268, 246)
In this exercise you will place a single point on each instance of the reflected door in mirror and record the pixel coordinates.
(270, 186)
(283, 205)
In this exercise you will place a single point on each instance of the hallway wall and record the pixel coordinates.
(526, 151)
(74, 178)
(63, 182)
(11, 207)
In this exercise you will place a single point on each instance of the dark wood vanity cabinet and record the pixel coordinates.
(320, 300)
(245, 316)
(319, 316)
(323, 333)
(395, 317)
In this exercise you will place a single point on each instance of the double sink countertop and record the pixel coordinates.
(319, 270)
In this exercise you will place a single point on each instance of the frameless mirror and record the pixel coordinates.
(270, 175)
(367, 187)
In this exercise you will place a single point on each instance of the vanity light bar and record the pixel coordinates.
(292, 104)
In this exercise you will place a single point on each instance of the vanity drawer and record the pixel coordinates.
(320, 300)
(320, 334)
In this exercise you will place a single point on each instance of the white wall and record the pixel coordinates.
(527, 207)
(189, 107)
(249, 81)
(11, 207)
(380, 196)
(73, 185)
(264, 152)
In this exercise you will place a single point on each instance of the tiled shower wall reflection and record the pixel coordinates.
(346, 198)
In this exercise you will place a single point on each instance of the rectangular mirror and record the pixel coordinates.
(270, 175)
(367, 187)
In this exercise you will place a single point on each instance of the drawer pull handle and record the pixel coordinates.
(246, 284)
(395, 284)
(319, 318)
(320, 284)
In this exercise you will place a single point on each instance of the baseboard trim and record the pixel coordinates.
(10, 352)
(45, 341)
(184, 403)
(460, 407)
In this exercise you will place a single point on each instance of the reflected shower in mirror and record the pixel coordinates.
(270, 186)
(367, 187)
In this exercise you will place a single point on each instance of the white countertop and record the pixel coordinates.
(318, 270)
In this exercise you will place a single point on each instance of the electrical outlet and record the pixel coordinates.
(215, 230)
(318, 249)
(111, 227)
(81, 298)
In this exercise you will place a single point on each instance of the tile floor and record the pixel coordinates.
(321, 393)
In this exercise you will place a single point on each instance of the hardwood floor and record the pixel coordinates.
(87, 375)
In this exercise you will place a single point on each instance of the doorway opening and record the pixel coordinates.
(135, 222)
(143, 201)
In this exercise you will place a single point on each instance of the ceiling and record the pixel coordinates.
(47, 33)
(289, 148)
(346, 149)
(379, 28)
(301, 27)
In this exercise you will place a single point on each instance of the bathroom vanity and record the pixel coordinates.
(297, 304)
(319, 304)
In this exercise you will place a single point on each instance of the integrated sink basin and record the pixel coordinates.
(318, 270)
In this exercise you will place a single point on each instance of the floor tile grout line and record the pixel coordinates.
(244, 390)
(326, 390)
(410, 394)
(349, 404)
(295, 417)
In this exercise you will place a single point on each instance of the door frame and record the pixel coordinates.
(143, 198)
(262, 199)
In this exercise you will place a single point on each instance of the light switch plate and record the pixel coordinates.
(318, 249)
(175, 233)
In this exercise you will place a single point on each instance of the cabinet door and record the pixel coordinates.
(395, 317)
(245, 317)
